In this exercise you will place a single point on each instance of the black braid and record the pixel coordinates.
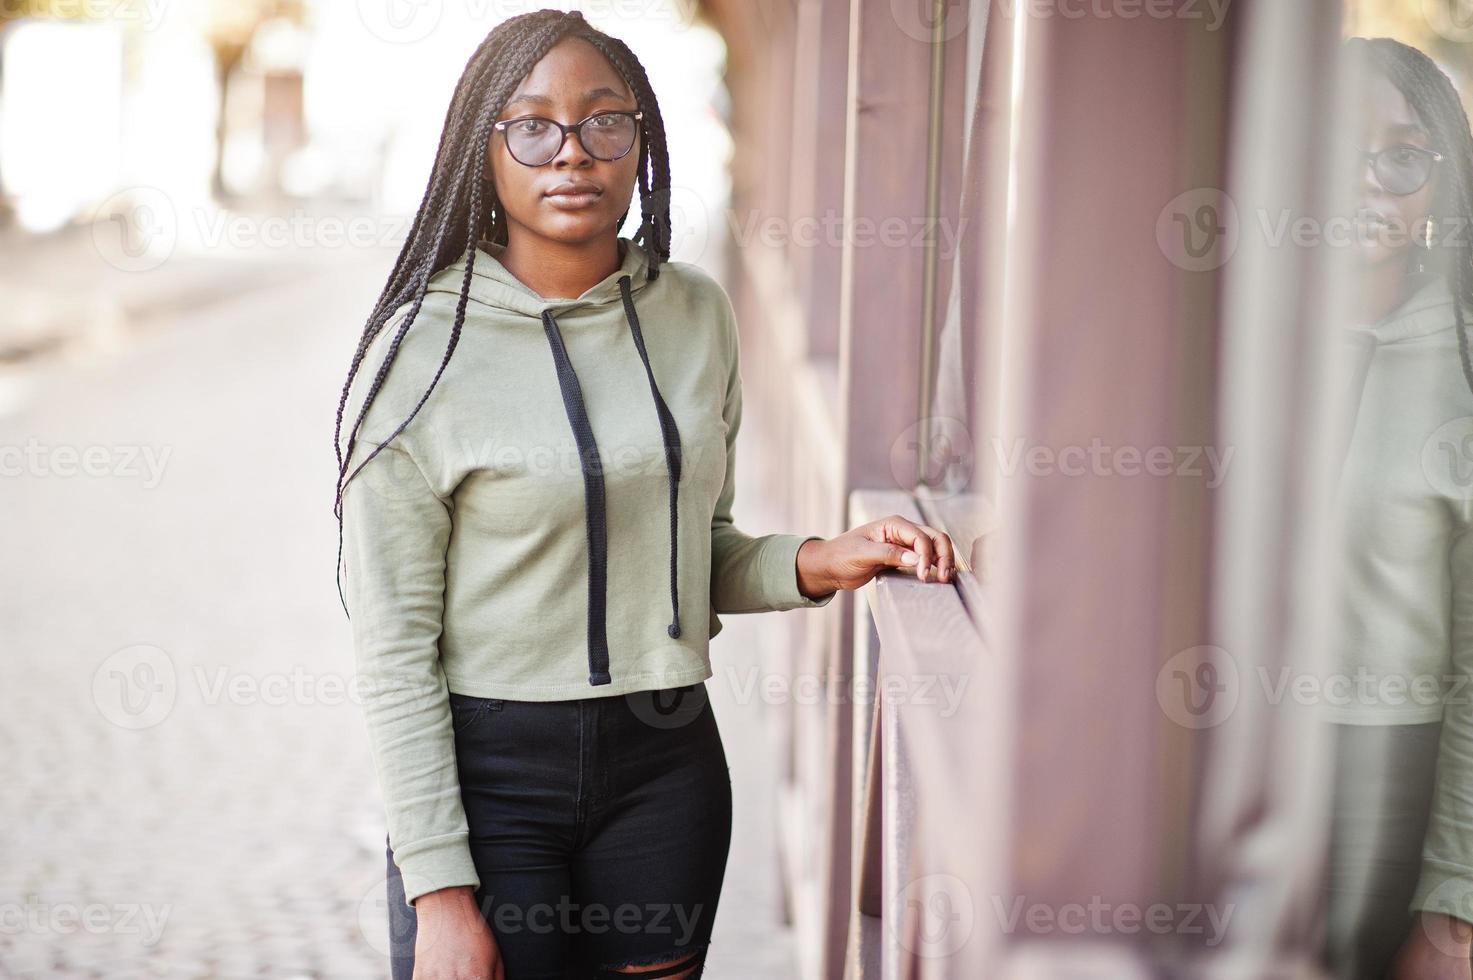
(1432, 94)
(459, 209)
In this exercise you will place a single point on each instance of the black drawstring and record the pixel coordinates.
(593, 497)
(593, 485)
(671, 436)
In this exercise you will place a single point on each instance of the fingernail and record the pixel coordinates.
(908, 558)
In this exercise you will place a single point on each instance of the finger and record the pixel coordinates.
(945, 551)
(891, 555)
(909, 533)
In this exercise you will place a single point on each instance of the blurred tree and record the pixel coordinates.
(229, 28)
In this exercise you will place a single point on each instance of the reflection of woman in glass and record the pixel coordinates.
(1401, 874)
(539, 538)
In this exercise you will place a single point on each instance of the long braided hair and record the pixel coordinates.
(460, 208)
(1431, 93)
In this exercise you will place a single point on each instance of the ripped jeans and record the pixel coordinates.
(599, 828)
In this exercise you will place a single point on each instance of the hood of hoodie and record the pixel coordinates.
(493, 285)
(1428, 310)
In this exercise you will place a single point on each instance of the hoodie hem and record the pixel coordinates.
(620, 684)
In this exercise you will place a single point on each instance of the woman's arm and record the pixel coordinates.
(1441, 941)
(790, 571)
(395, 532)
(749, 574)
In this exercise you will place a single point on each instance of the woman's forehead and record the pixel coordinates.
(572, 73)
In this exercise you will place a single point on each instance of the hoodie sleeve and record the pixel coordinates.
(1446, 881)
(748, 574)
(395, 533)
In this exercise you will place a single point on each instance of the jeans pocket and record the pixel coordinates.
(467, 710)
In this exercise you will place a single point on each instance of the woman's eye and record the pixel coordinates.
(1403, 154)
(530, 127)
(604, 120)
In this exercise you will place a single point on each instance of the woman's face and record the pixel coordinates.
(572, 81)
(1389, 224)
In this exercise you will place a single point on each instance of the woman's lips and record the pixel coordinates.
(573, 201)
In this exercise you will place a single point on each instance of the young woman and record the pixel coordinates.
(536, 498)
(1401, 869)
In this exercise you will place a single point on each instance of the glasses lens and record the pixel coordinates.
(608, 135)
(1402, 170)
(533, 141)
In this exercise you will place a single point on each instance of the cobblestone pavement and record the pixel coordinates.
(187, 787)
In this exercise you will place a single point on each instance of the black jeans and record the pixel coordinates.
(599, 828)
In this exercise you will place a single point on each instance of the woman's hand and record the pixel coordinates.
(1437, 948)
(856, 556)
(452, 940)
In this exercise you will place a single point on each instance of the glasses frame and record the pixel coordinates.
(1374, 157)
(577, 127)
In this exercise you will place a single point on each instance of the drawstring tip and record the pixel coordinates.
(673, 629)
(599, 678)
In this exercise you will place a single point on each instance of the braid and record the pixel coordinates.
(1431, 93)
(459, 209)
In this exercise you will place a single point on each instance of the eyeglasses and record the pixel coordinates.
(1401, 169)
(535, 140)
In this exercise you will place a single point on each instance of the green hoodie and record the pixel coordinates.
(556, 521)
(1405, 654)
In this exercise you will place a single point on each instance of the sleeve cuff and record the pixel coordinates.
(440, 862)
(782, 571)
(1444, 890)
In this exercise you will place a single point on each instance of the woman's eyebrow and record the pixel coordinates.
(602, 92)
(1410, 130)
